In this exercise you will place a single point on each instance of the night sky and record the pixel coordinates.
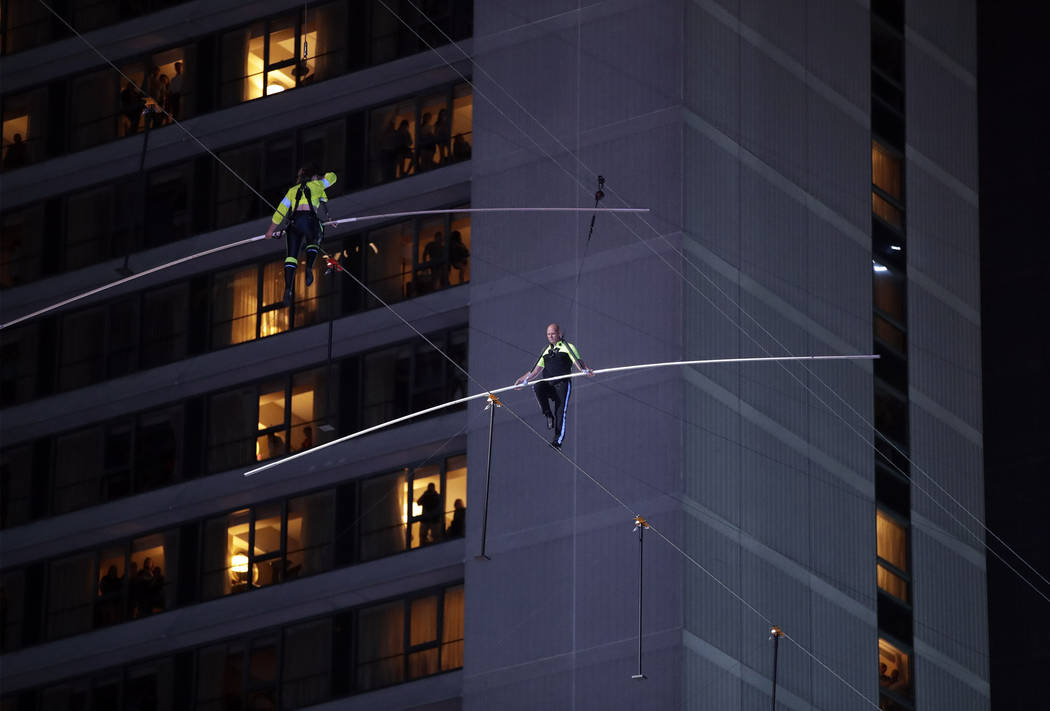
(1013, 80)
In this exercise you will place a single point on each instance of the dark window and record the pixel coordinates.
(21, 249)
(306, 676)
(16, 485)
(151, 686)
(888, 296)
(165, 320)
(12, 611)
(98, 344)
(891, 416)
(168, 215)
(892, 489)
(20, 357)
(235, 202)
(27, 24)
(887, 51)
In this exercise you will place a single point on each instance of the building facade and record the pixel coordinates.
(810, 170)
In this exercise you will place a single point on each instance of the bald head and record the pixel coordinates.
(553, 333)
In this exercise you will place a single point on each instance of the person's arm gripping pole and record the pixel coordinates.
(578, 361)
(530, 375)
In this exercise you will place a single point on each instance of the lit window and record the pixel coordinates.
(892, 550)
(894, 669)
(886, 170)
(882, 207)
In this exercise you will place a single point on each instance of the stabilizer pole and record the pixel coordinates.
(776, 633)
(494, 402)
(640, 524)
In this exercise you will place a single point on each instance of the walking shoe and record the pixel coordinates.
(556, 444)
(550, 420)
(309, 277)
(288, 296)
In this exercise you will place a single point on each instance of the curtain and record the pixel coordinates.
(452, 629)
(383, 508)
(71, 594)
(380, 645)
(307, 664)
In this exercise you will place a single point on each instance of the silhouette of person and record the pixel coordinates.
(430, 521)
(175, 88)
(131, 105)
(459, 520)
(403, 149)
(460, 148)
(308, 438)
(425, 151)
(17, 153)
(557, 359)
(434, 257)
(458, 254)
(443, 135)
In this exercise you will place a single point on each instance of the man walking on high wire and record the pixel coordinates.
(557, 359)
(297, 216)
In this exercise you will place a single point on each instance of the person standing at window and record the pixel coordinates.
(175, 89)
(557, 359)
(430, 522)
(297, 216)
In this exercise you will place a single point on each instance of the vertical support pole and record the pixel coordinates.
(776, 633)
(494, 402)
(640, 524)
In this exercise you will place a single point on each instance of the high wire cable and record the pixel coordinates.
(738, 306)
(239, 243)
(486, 393)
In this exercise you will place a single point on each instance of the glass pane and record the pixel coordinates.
(423, 621)
(78, 470)
(232, 424)
(380, 645)
(888, 294)
(217, 557)
(95, 101)
(307, 661)
(262, 663)
(241, 65)
(282, 41)
(309, 407)
(423, 663)
(271, 405)
(165, 315)
(384, 515)
(24, 128)
(12, 588)
(234, 303)
(388, 263)
(19, 361)
(72, 589)
(391, 153)
(150, 588)
(452, 629)
(456, 492)
(886, 170)
(325, 36)
(427, 506)
(311, 523)
(459, 250)
(220, 677)
(151, 686)
(237, 561)
(462, 122)
(889, 334)
(892, 583)
(158, 448)
(894, 669)
(167, 205)
(891, 541)
(428, 155)
(111, 582)
(386, 379)
(432, 258)
(881, 207)
(89, 219)
(268, 535)
(16, 468)
(234, 202)
(20, 250)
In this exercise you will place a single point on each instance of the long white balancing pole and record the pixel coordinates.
(602, 371)
(359, 218)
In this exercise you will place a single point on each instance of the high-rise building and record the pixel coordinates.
(810, 171)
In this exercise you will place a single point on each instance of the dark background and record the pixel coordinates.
(1014, 154)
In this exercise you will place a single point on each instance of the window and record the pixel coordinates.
(409, 639)
(887, 180)
(99, 344)
(151, 686)
(240, 674)
(267, 544)
(894, 669)
(12, 612)
(400, 511)
(165, 320)
(235, 202)
(27, 24)
(167, 205)
(419, 134)
(892, 551)
(71, 595)
(306, 677)
(24, 128)
(21, 249)
(20, 355)
(16, 486)
(78, 470)
(891, 416)
(889, 289)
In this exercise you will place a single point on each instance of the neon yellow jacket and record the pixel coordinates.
(317, 196)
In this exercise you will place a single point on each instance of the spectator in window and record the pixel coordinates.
(140, 588)
(458, 254)
(425, 151)
(160, 98)
(131, 106)
(17, 153)
(130, 581)
(155, 591)
(274, 445)
(434, 257)
(403, 149)
(175, 89)
(430, 520)
(308, 438)
(109, 592)
(443, 135)
(151, 84)
(460, 148)
(459, 520)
